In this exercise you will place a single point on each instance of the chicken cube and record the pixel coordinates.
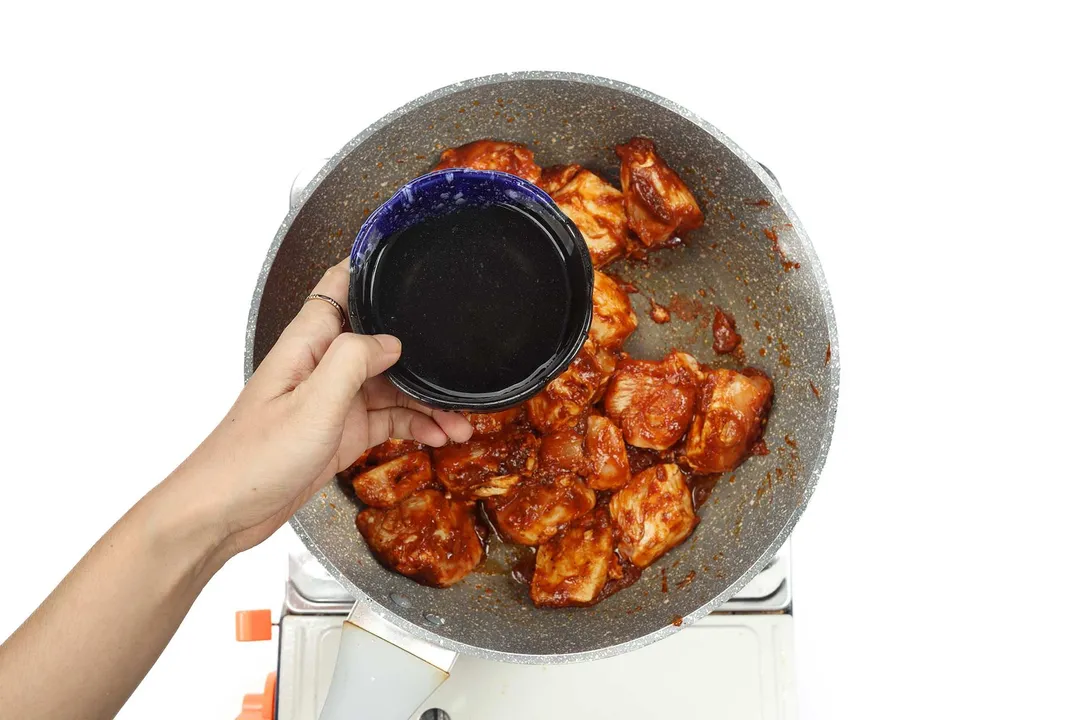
(731, 412)
(652, 402)
(513, 158)
(573, 567)
(563, 451)
(388, 484)
(490, 423)
(384, 452)
(552, 179)
(605, 451)
(468, 469)
(426, 537)
(597, 210)
(654, 513)
(534, 509)
(567, 398)
(658, 203)
(613, 318)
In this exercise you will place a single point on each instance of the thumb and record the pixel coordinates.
(349, 361)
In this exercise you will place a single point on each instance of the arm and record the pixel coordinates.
(316, 402)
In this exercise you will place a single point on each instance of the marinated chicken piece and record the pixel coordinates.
(534, 509)
(658, 203)
(597, 210)
(613, 318)
(384, 452)
(563, 451)
(566, 399)
(573, 567)
(652, 402)
(654, 513)
(494, 485)
(388, 484)
(426, 537)
(552, 179)
(513, 158)
(605, 450)
(467, 469)
(731, 412)
(491, 423)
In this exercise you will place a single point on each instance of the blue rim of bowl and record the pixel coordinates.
(367, 240)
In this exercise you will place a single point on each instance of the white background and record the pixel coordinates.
(931, 152)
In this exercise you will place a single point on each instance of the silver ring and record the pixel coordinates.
(332, 301)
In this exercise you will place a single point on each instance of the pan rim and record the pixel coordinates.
(812, 264)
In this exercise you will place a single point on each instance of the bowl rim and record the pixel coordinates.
(367, 241)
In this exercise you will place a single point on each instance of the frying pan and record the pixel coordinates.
(751, 258)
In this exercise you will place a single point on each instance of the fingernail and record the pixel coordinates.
(389, 343)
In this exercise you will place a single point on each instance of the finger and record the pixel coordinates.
(350, 360)
(354, 433)
(380, 393)
(318, 321)
(456, 427)
(404, 424)
(306, 339)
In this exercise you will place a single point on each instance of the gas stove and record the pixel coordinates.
(741, 656)
(735, 663)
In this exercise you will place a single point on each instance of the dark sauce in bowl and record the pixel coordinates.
(480, 298)
(485, 281)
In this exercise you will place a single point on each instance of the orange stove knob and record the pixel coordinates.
(261, 706)
(253, 625)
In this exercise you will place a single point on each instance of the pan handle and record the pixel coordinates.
(381, 671)
(767, 171)
(302, 180)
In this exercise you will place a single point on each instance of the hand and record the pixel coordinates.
(317, 401)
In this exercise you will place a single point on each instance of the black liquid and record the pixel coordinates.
(480, 298)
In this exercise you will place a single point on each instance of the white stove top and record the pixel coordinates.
(736, 663)
(725, 666)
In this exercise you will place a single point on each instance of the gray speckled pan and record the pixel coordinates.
(783, 313)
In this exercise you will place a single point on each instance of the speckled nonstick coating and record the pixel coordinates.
(783, 313)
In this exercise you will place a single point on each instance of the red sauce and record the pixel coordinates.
(687, 580)
(759, 448)
(828, 353)
(725, 339)
(757, 203)
(523, 569)
(663, 580)
(774, 238)
(677, 621)
(625, 285)
(701, 487)
(658, 313)
(687, 309)
(790, 441)
(641, 459)
(630, 575)
(814, 388)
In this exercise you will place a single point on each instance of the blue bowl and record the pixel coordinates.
(443, 192)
